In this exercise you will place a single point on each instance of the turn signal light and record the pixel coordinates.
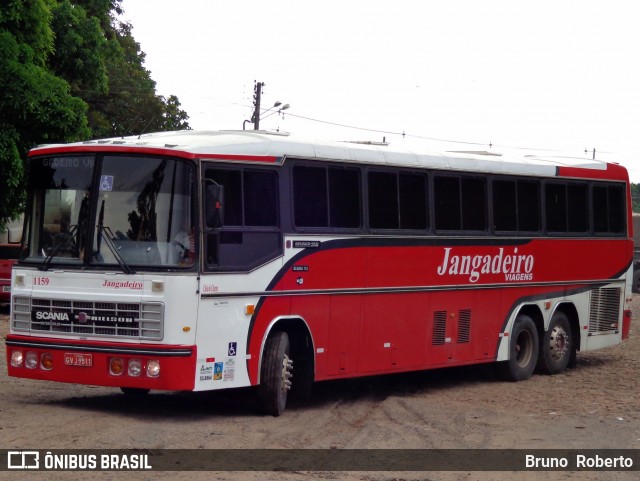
(116, 366)
(46, 361)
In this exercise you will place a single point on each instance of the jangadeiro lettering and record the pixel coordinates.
(124, 285)
(515, 266)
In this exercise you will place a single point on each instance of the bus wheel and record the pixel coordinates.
(523, 351)
(134, 391)
(556, 347)
(276, 374)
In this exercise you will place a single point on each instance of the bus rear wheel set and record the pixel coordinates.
(550, 352)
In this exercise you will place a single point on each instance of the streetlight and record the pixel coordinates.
(256, 117)
(256, 121)
(277, 104)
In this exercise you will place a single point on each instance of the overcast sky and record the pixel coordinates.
(557, 75)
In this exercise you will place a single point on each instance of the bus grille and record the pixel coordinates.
(82, 318)
(604, 314)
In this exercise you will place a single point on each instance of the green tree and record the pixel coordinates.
(69, 70)
(174, 118)
(132, 105)
(35, 105)
(635, 196)
(80, 49)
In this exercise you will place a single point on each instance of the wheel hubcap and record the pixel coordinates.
(558, 343)
(287, 372)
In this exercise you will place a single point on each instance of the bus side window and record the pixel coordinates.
(214, 201)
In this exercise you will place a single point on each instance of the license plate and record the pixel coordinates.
(75, 359)
(6, 288)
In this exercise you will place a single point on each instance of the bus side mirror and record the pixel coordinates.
(214, 200)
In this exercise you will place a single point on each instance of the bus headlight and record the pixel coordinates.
(31, 360)
(17, 358)
(153, 368)
(135, 367)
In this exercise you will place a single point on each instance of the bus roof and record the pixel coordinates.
(274, 147)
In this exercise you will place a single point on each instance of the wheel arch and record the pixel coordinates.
(531, 310)
(300, 338)
(534, 312)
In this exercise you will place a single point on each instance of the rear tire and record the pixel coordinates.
(523, 351)
(557, 346)
(275, 374)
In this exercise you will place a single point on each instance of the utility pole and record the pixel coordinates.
(257, 93)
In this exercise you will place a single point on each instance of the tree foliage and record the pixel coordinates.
(132, 105)
(70, 70)
(35, 106)
(635, 196)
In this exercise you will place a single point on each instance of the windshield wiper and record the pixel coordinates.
(108, 239)
(67, 240)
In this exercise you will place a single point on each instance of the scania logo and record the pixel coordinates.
(52, 316)
(81, 317)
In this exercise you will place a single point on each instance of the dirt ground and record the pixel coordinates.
(595, 405)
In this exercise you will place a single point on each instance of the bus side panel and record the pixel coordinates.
(425, 305)
(394, 332)
(343, 342)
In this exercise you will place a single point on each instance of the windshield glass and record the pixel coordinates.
(60, 188)
(138, 213)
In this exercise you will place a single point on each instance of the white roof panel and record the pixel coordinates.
(260, 143)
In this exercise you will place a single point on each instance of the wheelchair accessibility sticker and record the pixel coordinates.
(232, 348)
(106, 183)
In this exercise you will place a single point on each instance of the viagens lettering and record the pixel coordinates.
(514, 266)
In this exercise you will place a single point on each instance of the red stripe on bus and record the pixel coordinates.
(612, 172)
(132, 149)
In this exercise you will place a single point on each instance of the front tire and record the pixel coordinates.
(275, 374)
(557, 346)
(523, 350)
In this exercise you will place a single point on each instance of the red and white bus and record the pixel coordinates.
(208, 260)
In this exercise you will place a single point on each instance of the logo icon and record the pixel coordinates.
(23, 460)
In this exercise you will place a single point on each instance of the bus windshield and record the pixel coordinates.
(136, 212)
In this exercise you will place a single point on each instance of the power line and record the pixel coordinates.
(388, 132)
(402, 134)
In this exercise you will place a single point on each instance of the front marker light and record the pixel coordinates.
(31, 360)
(17, 358)
(153, 368)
